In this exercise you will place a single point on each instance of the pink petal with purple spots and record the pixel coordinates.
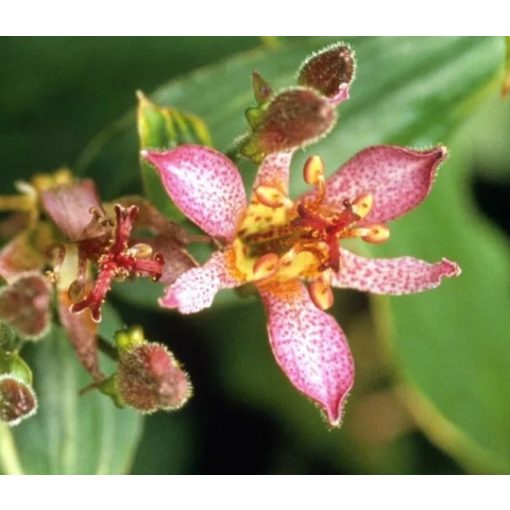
(398, 178)
(274, 171)
(205, 185)
(69, 206)
(309, 346)
(402, 275)
(195, 289)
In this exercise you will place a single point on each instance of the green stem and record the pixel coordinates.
(9, 459)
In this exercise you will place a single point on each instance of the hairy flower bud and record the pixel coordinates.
(148, 378)
(17, 400)
(330, 72)
(292, 119)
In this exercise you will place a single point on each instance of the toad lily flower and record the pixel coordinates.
(291, 249)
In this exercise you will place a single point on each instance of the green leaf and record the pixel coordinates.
(164, 128)
(70, 434)
(506, 82)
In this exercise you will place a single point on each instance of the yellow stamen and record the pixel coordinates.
(266, 266)
(363, 205)
(321, 293)
(378, 234)
(272, 197)
(313, 171)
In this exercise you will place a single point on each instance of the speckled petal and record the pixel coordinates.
(398, 178)
(205, 185)
(274, 171)
(402, 275)
(195, 289)
(309, 346)
(69, 206)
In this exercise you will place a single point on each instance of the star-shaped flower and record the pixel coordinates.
(291, 250)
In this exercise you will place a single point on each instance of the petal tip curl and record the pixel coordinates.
(334, 412)
(448, 269)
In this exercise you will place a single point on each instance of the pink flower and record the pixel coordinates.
(291, 250)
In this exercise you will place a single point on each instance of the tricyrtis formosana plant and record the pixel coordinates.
(66, 247)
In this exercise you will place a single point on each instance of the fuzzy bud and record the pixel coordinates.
(330, 72)
(17, 400)
(292, 119)
(148, 378)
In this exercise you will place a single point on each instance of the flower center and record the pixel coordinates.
(116, 260)
(280, 239)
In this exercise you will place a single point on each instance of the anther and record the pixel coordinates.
(313, 171)
(378, 234)
(266, 266)
(272, 197)
(363, 205)
(321, 293)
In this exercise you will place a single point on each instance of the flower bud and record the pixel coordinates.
(17, 400)
(150, 379)
(330, 72)
(292, 119)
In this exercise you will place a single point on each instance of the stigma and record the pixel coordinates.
(116, 261)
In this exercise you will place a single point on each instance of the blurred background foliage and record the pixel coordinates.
(433, 370)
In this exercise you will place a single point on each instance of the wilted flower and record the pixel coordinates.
(84, 234)
(277, 244)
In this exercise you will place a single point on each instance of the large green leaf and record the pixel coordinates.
(450, 343)
(70, 434)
